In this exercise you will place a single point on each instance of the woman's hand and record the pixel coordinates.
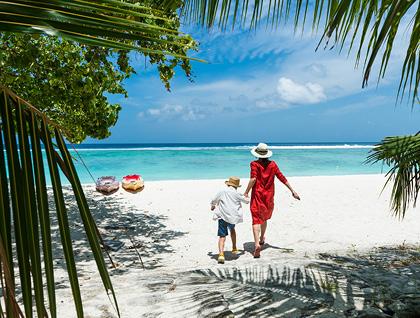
(246, 195)
(295, 195)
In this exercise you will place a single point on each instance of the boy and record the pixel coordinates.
(228, 213)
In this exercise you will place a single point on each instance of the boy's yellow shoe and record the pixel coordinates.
(235, 251)
(221, 258)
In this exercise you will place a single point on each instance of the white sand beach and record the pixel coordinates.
(171, 226)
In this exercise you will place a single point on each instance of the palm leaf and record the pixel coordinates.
(107, 23)
(373, 23)
(402, 153)
(42, 203)
(25, 216)
(31, 222)
(17, 200)
(5, 235)
(8, 286)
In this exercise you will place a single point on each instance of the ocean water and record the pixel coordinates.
(217, 161)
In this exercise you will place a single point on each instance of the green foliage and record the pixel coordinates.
(26, 251)
(106, 23)
(70, 81)
(402, 153)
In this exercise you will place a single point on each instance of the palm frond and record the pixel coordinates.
(402, 153)
(25, 215)
(107, 23)
(373, 24)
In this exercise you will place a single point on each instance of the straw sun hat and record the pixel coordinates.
(261, 151)
(233, 181)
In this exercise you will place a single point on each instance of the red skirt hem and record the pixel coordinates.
(260, 217)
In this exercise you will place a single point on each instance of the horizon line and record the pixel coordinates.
(219, 142)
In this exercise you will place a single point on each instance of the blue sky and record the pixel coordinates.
(264, 86)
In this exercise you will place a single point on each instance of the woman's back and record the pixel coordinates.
(264, 172)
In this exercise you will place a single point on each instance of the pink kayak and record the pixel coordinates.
(107, 184)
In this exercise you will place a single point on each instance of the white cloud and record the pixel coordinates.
(173, 111)
(295, 93)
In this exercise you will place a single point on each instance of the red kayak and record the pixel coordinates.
(132, 182)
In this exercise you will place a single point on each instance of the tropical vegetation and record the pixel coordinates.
(71, 82)
(68, 76)
(152, 28)
(26, 211)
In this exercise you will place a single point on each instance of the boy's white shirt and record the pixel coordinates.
(228, 205)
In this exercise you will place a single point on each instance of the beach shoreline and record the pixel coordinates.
(92, 184)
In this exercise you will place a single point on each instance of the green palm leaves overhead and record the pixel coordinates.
(25, 217)
(107, 23)
(370, 26)
(402, 153)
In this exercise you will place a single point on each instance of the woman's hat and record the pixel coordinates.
(261, 151)
(234, 182)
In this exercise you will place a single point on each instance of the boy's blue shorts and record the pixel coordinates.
(223, 228)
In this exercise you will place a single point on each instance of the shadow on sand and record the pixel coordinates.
(229, 256)
(250, 247)
(124, 227)
(383, 283)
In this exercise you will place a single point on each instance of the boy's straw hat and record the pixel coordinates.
(234, 182)
(261, 151)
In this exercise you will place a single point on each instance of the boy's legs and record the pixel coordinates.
(222, 232)
(233, 237)
(222, 240)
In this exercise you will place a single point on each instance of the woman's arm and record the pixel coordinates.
(249, 187)
(294, 193)
(283, 179)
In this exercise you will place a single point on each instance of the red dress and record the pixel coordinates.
(262, 197)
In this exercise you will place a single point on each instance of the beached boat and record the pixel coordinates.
(132, 182)
(107, 184)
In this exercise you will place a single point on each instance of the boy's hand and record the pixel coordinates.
(212, 207)
(295, 195)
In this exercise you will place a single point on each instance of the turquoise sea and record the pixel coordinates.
(215, 161)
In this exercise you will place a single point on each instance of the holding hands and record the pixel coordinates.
(294, 194)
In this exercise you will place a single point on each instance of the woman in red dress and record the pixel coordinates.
(261, 182)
